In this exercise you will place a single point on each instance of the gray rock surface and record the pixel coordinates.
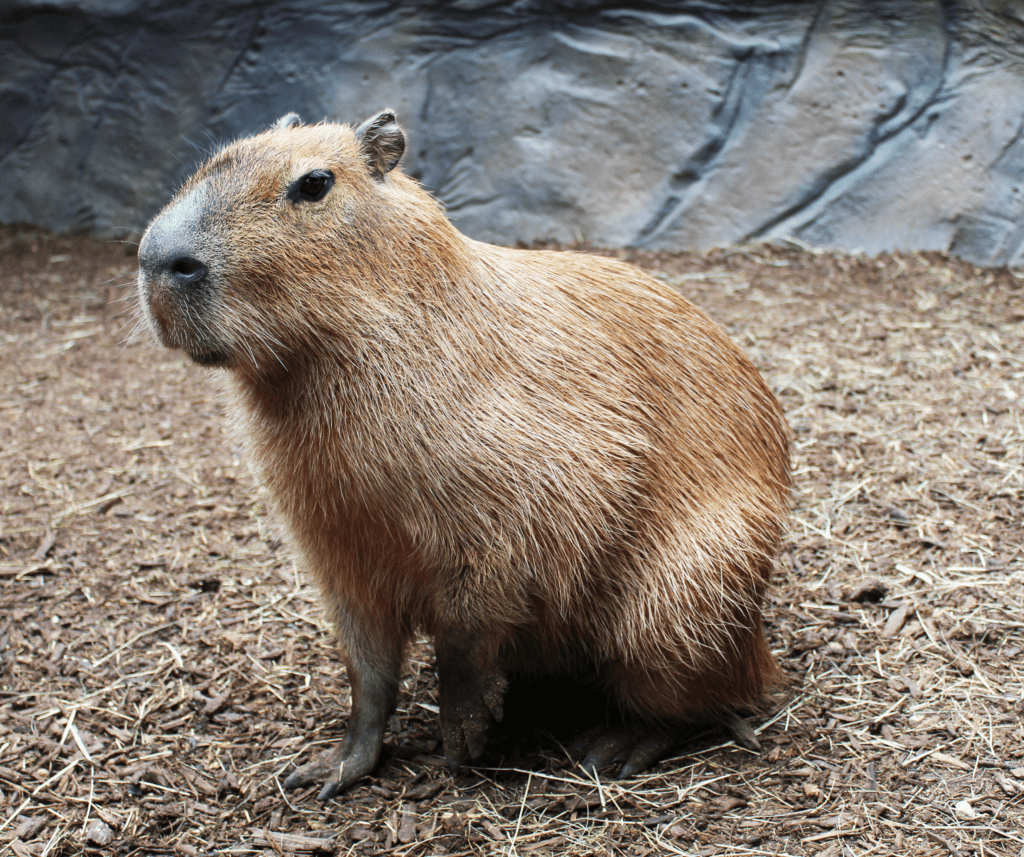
(842, 123)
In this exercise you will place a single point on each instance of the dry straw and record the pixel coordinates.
(161, 661)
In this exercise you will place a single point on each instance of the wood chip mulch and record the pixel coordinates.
(162, 661)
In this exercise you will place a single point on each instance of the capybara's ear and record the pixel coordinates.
(289, 120)
(382, 141)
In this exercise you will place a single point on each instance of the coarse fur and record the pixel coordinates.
(549, 462)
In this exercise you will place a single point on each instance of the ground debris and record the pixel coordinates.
(99, 834)
(162, 662)
(295, 843)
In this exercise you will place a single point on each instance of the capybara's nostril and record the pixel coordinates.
(187, 271)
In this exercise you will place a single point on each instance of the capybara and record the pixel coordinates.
(549, 462)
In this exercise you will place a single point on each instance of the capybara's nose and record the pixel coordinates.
(168, 256)
(177, 268)
(187, 272)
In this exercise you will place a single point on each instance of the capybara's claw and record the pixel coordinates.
(603, 746)
(651, 748)
(300, 778)
(741, 731)
(329, 790)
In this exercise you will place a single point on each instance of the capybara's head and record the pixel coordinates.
(252, 259)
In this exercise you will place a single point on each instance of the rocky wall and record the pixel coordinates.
(843, 123)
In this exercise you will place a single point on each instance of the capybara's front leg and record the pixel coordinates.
(472, 694)
(374, 680)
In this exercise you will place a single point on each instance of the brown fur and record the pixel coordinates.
(552, 451)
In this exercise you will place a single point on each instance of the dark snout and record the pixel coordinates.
(172, 250)
(178, 267)
(176, 286)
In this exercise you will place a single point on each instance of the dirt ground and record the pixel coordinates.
(162, 662)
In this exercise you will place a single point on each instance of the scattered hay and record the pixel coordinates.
(161, 661)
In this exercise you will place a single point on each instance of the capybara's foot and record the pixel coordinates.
(337, 768)
(637, 748)
(633, 748)
(469, 708)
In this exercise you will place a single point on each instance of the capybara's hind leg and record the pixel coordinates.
(374, 684)
(472, 695)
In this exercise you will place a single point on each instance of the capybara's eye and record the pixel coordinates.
(311, 187)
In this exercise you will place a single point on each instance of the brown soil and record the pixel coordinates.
(161, 661)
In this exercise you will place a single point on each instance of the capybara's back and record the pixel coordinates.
(549, 462)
